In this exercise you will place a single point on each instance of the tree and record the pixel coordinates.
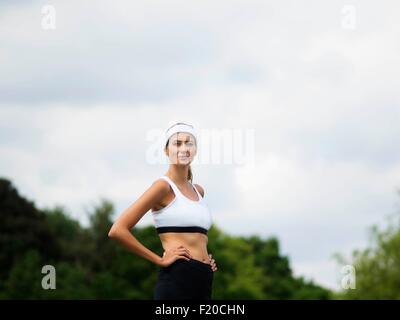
(377, 268)
(23, 228)
(91, 266)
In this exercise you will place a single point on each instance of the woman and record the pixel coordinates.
(182, 219)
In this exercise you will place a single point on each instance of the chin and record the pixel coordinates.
(184, 163)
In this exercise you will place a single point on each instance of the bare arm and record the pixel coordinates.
(120, 230)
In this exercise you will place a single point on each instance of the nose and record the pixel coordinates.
(183, 149)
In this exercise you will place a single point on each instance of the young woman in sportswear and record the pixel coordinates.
(182, 219)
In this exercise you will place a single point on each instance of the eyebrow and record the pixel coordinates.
(177, 140)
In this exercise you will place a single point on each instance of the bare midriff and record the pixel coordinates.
(195, 242)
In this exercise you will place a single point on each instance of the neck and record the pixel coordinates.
(178, 174)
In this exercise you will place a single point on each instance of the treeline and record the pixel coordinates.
(376, 268)
(89, 265)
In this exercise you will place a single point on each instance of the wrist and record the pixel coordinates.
(159, 261)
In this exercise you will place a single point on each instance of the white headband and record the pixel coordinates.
(181, 127)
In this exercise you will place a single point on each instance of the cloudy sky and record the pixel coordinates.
(85, 85)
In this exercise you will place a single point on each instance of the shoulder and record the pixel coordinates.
(200, 189)
(160, 186)
(156, 192)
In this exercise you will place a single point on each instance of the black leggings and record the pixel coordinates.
(184, 279)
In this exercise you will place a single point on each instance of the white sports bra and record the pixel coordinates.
(183, 214)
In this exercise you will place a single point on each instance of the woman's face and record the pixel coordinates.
(181, 148)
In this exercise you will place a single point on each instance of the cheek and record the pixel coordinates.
(193, 150)
(173, 152)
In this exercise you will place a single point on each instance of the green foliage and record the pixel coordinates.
(24, 280)
(377, 267)
(22, 228)
(89, 265)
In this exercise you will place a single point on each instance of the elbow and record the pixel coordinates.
(113, 232)
(117, 231)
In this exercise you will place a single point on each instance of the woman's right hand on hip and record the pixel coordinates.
(171, 255)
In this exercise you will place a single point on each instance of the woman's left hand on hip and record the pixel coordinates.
(213, 264)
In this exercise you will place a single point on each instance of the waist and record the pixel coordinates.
(196, 243)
